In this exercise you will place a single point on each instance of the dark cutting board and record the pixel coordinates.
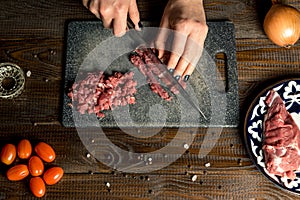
(221, 107)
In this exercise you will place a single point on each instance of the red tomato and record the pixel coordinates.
(35, 166)
(45, 152)
(53, 175)
(8, 154)
(17, 172)
(37, 186)
(24, 149)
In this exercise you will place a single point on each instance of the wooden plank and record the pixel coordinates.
(214, 185)
(228, 152)
(86, 178)
(40, 100)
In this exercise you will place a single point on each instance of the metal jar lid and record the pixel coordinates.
(12, 80)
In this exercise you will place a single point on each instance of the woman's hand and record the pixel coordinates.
(113, 13)
(187, 19)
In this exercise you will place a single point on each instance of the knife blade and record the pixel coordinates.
(165, 72)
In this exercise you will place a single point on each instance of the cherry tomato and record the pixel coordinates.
(35, 166)
(8, 154)
(17, 172)
(37, 186)
(53, 175)
(45, 152)
(24, 149)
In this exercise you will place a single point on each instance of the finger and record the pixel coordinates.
(193, 49)
(106, 21)
(161, 38)
(134, 14)
(106, 13)
(120, 23)
(160, 42)
(173, 60)
(188, 71)
(180, 68)
(189, 59)
(94, 8)
(176, 51)
(86, 3)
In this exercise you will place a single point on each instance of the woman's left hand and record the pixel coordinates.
(187, 19)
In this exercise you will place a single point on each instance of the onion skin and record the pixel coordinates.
(282, 25)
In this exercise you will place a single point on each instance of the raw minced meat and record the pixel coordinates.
(147, 63)
(98, 92)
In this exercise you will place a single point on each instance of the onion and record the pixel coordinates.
(282, 25)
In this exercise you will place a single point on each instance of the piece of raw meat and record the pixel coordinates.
(281, 139)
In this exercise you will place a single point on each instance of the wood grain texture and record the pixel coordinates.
(209, 186)
(33, 36)
(228, 152)
(229, 173)
(40, 101)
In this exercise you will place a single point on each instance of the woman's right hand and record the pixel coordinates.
(113, 13)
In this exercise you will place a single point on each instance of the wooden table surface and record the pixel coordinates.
(33, 36)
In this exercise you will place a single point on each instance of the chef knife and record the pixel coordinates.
(166, 73)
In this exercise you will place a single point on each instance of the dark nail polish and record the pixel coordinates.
(177, 77)
(171, 71)
(140, 25)
(186, 78)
